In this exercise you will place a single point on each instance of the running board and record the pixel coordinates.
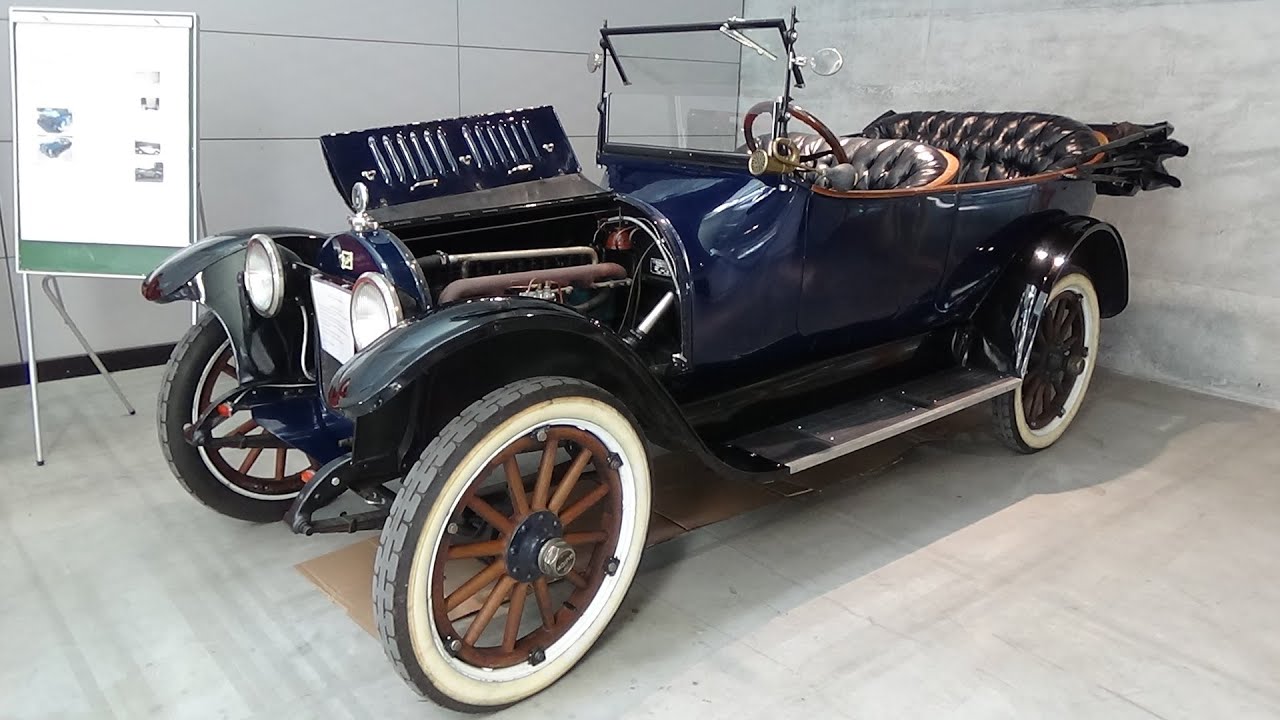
(812, 440)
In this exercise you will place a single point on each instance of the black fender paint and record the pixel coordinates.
(379, 374)
(174, 278)
(1010, 315)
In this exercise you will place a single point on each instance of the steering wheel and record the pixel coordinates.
(803, 116)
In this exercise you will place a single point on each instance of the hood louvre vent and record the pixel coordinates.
(422, 161)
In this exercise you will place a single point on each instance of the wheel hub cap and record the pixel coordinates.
(550, 545)
(556, 558)
(536, 546)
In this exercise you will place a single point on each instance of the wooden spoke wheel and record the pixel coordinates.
(1059, 367)
(513, 542)
(1058, 358)
(268, 470)
(246, 472)
(561, 526)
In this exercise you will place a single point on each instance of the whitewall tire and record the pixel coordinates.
(478, 524)
(1063, 356)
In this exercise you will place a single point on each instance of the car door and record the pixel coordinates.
(872, 267)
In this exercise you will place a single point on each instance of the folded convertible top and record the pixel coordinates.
(1135, 157)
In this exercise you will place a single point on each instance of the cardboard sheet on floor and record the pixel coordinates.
(686, 496)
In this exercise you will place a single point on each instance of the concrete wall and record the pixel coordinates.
(276, 75)
(1205, 260)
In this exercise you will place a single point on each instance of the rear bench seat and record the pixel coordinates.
(993, 146)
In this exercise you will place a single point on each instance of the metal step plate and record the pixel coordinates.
(827, 435)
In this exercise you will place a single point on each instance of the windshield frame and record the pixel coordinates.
(791, 73)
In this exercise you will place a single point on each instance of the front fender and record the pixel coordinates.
(1008, 319)
(175, 278)
(504, 339)
(377, 374)
(208, 272)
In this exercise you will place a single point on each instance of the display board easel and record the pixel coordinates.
(104, 152)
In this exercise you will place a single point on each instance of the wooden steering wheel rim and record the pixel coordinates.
(799, 113)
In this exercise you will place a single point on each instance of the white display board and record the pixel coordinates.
(104, 129)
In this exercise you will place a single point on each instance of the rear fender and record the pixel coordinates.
(453, 356)
(1008, 318)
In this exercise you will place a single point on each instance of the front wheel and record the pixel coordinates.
(257, 483)
(1063, 355)
(512, 543)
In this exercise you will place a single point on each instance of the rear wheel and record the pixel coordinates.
(1063, 355)
(512, 543)
(256, 484)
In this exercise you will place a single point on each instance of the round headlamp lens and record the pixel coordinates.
(264, 275)
(375, 309)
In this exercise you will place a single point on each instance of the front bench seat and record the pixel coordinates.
(878, 164)
(993, 146)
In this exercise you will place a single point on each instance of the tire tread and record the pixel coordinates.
(421, 486)
(1004, 421)
(200, 482)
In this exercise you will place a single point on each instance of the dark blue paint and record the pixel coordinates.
(307, 424)
(742, 250)
(427, 160)
(377, 251)
(770, 276)
(779, 275)
(872, 267)
(993, 225)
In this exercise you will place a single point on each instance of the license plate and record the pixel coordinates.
(333, 318)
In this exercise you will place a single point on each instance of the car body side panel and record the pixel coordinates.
(780, 277)
(872, 267)
(993, 226)
(743, 242)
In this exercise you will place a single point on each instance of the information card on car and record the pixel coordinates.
(333, 316)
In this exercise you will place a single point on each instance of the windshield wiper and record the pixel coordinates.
(746, 41)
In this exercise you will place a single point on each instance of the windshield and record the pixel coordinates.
(687, 89)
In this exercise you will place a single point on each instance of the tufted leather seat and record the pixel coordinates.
(993, 146)
(876, 164)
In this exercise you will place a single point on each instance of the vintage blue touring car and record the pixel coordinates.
(487, 356)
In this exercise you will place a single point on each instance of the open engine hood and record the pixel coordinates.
(420, 169)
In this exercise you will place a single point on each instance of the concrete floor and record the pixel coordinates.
(1129, 572)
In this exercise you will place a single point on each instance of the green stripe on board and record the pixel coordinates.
(61, 257)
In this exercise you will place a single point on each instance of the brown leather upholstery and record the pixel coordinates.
(875, 164)
(993, 146)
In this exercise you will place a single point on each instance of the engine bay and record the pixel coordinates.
(595, 259)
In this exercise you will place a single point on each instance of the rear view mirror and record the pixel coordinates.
(826, 62)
